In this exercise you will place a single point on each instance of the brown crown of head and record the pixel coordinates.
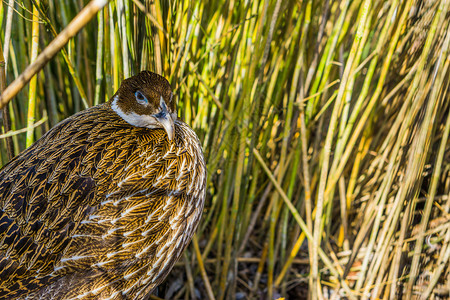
(152, 86)
(146, 100)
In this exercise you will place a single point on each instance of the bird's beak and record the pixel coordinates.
(164, 118)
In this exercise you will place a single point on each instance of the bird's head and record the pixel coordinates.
(146, 100)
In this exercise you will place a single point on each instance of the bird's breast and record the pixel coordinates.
(148, 211)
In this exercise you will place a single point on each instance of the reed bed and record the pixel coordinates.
(325, 125)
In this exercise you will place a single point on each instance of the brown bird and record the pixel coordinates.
(103, 205)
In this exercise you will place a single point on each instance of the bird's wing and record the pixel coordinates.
(97, 198)
(44, 194)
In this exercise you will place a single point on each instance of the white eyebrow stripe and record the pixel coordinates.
(133, 118)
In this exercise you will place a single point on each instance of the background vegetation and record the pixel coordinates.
(325, 126)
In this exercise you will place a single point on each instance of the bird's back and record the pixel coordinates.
(98, 208)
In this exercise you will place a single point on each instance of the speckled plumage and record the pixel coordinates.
(98, 208)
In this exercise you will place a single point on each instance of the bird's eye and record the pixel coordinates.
(140, 97)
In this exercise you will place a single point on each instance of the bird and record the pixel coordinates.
(105, 202)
